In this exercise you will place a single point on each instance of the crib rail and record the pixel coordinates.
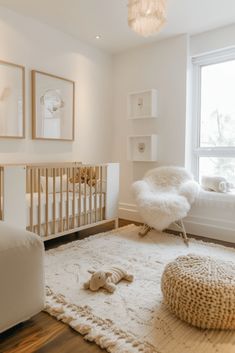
(1, 191)
(62, 198)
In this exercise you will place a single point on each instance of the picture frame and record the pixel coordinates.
(53, 107)
(12, 100)
(142, 105)
(142, 148)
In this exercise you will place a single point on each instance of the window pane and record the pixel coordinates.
(213, 166)
(218, 105)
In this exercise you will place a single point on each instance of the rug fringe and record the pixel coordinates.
(94, 329)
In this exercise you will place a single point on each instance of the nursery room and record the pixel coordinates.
(117, 176)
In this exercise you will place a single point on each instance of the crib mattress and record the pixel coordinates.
(87, 204)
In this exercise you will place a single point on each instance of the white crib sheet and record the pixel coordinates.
(100, 199)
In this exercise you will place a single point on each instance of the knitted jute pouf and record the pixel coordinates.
(201, 291)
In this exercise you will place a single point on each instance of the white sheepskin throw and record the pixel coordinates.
(165, 195)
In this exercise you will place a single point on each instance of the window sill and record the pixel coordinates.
(216, 198)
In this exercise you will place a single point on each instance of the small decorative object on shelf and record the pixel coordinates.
(142, 105)
(142, 148)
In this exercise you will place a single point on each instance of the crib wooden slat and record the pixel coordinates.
(96, 175)
(85, 194)
(46, 209)
(79, 197)
(73, 203)
(31, 200)
(101, 186)
(61, 199)
(39, 201)
(90, 203)
(1, 196)
(104, 193)
(35, 180)
(67, 199)
(54, 199)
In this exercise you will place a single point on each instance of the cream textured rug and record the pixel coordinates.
(134, 318)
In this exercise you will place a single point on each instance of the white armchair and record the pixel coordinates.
(164, 196)
(21, 275)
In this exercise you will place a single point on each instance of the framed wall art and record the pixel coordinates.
(142, 105)
(142, 148)
(12, 100)
(52, 107)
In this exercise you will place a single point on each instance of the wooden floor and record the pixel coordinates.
(44, 334)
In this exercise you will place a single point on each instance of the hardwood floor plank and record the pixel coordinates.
(68, 341)
(44, 334)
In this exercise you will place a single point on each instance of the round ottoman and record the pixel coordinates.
(201, 291)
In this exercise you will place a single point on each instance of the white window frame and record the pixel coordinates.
(197, 151)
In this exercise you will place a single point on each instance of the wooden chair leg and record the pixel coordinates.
(144, 230)
(180, 225)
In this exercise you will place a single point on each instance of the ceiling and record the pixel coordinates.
(84, 19)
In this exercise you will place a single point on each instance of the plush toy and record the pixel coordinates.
(216, 183)
(88, 175)
(107, 279)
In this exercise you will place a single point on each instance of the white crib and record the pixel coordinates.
(52, 200)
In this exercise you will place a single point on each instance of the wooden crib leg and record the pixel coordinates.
(144, 230)
(116, 224)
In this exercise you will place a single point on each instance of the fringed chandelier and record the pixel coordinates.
(146, 17)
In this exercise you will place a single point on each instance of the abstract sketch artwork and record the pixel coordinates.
(12, 100)
(53, 107)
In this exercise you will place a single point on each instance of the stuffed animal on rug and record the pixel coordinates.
(107, 279)
(216, 183)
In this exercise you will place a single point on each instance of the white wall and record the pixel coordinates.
(163, 66)
(36, 46)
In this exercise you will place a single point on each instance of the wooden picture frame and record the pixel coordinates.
(12, 100)
(53, 107)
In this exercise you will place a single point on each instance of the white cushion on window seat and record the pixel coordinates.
(217, 198)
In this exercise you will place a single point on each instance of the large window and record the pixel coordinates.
(214, 115)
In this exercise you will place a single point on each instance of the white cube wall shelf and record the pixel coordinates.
(142, 148)
(142, 105)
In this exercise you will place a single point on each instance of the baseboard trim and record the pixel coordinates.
(218, 229)
(129, 212)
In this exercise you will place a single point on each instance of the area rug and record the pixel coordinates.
(133, 319)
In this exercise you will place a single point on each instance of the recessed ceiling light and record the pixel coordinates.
(98, 36)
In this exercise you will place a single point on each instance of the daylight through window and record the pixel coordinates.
(214, 119)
